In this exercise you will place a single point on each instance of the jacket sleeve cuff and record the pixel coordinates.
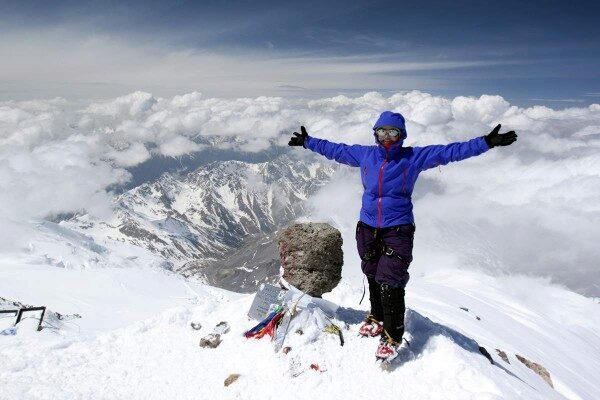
(306, 141)
(485, 138)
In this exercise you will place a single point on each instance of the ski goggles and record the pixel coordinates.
(393, 132)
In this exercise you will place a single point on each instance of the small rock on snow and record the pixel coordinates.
(211, 341)
(196, 326)
(231, 378)
(221, 328)
(503, 356)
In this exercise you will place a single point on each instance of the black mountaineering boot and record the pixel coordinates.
(392, 300)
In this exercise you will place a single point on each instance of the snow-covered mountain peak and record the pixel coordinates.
(208, 212)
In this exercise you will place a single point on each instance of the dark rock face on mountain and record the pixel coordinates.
(242, 269)
(312, 257)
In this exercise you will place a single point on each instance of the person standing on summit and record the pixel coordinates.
(385, 230)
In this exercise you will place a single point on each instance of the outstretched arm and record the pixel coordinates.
(340, 152)
(432, 156)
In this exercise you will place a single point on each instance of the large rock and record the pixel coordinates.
(312, 257)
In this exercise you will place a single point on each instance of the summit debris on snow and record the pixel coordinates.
(312, 257)
(46, 318)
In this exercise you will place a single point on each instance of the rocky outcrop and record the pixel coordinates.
(245, 269)
(486, 354)
(312, 257)
(503, 356)
(537, 368)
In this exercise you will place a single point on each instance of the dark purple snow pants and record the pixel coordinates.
(372, 243)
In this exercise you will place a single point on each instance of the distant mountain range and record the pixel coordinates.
(206, 222)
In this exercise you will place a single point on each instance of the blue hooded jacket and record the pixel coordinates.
(389, 176)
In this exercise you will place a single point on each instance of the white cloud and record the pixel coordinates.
(134, 105)
(130, 155)
(484, 109)
(177, 146)
(535, 203)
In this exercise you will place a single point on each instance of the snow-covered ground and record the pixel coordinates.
(502, 212)
(134, 340)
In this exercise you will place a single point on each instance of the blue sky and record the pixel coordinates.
(529, 52)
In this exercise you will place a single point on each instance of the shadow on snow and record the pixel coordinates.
(422, 329)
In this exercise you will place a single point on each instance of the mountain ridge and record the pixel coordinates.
(195, 221)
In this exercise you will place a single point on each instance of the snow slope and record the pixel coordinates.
(134, 341)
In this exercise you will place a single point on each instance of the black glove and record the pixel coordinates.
(494, 138)
(298, 140)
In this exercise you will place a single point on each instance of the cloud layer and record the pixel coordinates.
(64, 61)
(534, 204)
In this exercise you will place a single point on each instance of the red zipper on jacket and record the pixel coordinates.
(380, 189)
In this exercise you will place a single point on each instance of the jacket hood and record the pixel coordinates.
(389, 118)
